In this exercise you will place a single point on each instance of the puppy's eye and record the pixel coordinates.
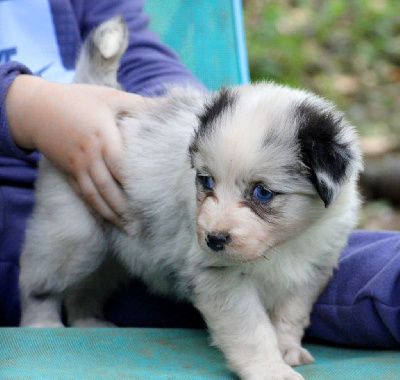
(262, 193)
(206, 181)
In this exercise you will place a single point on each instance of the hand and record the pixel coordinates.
(74, 126)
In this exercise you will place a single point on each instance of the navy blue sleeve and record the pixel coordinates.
(8, 71)
(17, 174)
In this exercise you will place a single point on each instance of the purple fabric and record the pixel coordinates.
(8, 72)
(16, 202)
(17, 175)
(361, 304)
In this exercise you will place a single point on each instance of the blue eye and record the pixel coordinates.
(207, 181)
(261, 193)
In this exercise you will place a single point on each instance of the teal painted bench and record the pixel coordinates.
(208, 35)
(142, 353)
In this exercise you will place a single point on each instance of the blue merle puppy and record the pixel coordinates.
(240, 202)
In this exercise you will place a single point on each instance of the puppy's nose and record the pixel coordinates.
(217, 241)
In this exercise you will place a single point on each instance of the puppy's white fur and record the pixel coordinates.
(256, 289)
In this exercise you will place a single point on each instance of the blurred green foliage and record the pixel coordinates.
(346, 50)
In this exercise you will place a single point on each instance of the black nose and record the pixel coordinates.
(217, 241)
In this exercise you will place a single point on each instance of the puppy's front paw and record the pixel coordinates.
(283, 373)
(275, 371)
(295, 356)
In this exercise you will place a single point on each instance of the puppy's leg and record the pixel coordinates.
(290, 323)
(45, 281)
(240, 326)
(58, 253)
(40, 310)
(290, 319)
(85, 303)
(44, 286)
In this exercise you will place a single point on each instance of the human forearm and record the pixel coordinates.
(74, 126)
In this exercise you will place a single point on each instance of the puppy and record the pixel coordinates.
(240, 202)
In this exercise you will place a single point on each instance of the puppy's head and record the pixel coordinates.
(270, 160)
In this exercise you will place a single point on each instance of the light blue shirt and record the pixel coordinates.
(27, 35)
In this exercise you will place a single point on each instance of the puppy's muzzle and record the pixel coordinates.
(217, 241)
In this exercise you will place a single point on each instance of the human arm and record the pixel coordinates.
(75, 127)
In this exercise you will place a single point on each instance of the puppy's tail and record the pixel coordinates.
(98, 61)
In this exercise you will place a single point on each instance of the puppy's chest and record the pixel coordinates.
(274, 279)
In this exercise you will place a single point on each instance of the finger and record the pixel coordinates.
(112, 154)
(114, 166)
(108, 188)
(75, 186)
(91, 195)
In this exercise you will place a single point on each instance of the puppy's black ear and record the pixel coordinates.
(328, 147)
